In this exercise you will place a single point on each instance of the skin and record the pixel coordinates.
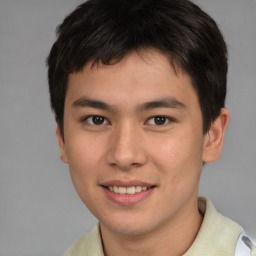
(129, 145)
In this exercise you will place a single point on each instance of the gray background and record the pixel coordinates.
(40, 212)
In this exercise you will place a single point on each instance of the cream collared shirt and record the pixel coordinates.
(218, 236)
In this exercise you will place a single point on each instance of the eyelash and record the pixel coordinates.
(91, 122)
(164, 118)
(103, 121)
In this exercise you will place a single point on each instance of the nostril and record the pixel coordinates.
(126, 166)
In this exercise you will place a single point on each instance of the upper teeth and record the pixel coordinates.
(127, 190)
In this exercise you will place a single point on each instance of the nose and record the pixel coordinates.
(126, 148)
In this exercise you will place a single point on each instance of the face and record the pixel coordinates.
(133, 140)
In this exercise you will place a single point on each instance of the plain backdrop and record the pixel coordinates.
(40, 213)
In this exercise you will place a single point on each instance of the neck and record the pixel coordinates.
(172, 238)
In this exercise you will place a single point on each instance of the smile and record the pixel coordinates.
(123, 193)
(127, 190)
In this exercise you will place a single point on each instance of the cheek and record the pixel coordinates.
(84, 165)
(179, 153)
(179, 162)
(83, 155)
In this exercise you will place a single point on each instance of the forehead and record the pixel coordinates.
(139, 77)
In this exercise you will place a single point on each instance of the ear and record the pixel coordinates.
(213, 140)
(63, 155)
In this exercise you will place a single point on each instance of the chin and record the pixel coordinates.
(128, 227)
(128, 230)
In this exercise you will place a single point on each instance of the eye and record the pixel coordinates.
(96, 120)
(158, 120)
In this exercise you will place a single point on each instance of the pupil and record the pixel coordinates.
(98, 120)
(159, 120)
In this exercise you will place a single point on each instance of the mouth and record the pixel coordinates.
(128, 190)
(127, 193)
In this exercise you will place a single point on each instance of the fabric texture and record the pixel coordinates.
(217, 236)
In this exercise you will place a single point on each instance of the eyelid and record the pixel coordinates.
(86, 118)
(168, 120)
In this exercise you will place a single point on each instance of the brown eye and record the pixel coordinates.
(96, 120)
(158, 120)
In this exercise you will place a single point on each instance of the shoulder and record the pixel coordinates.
(218, 235)
(88, 245)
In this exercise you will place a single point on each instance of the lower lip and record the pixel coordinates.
(127, 199)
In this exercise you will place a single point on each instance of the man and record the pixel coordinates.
(138, 91)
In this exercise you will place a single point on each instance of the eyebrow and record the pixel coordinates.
(169, 102)
(85, 102)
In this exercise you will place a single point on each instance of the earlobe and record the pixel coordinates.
(60, 138)
(214, 138)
